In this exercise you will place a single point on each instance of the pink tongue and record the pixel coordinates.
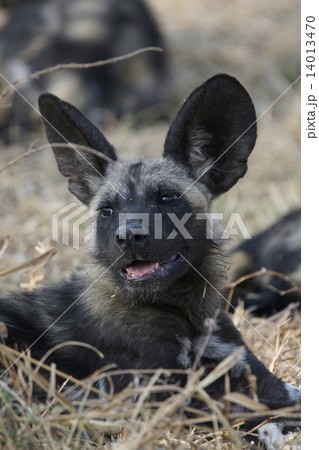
(139, 270)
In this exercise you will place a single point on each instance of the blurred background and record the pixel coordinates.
(133, 101)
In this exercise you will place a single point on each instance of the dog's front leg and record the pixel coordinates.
(271, 391)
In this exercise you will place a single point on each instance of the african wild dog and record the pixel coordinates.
(143, 301)
(277, 248)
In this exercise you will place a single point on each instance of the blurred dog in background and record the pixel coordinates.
(37, 34)
(278, 249)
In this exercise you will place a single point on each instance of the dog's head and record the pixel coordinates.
(151, 223)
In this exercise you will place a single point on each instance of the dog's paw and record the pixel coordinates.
(294, 393)
(277, 436)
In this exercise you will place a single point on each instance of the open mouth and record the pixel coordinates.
(141, 270)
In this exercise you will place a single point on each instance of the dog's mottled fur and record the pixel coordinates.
(277, 248)
(139, 317)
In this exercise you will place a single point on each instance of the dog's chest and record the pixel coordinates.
(143, 336)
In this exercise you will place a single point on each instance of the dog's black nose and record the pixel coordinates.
(131, 235)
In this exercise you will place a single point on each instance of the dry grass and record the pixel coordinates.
(133, 419)
(258, 42)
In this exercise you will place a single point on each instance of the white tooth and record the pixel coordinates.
(156, 266)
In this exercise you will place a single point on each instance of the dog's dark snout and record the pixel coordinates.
(130, 234)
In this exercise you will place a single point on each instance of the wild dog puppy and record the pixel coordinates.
(155, 277)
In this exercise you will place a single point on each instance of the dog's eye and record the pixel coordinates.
(106, 212)
(168, 198)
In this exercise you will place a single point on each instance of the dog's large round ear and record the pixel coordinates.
(64, 124)
(214, 132)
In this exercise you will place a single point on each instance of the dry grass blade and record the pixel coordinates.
(173, 404)
(258, 273)
(212, 404)
(246, 402)
(289, 411)
(14, 357)
(145, 393)
(14, 394)
(69, 66)
(77, 148)
(133, 424)
(3, 331)
(285, 292)
(71, 146)
(42, 382)
(4, 245)
(64, 344)
(33, 264)
(222, 368)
